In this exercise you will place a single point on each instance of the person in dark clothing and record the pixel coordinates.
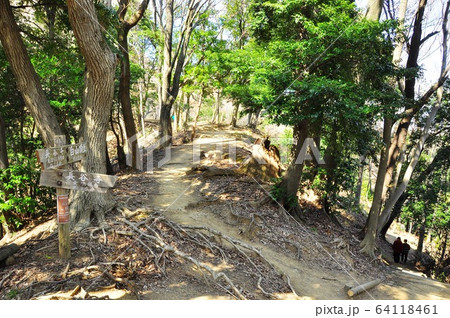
(397, 246)
(405, 251)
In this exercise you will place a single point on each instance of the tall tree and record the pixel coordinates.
(413, 105)
(398, 191)
(370, 230)
(97, 103)
(174, 52)
(125, 74)
(316, 93)
(27, 80)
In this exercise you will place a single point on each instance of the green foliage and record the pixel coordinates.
(20, 194)
(314, 62)
(13, 293)
(279, 193)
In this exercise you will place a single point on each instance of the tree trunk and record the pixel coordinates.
(291, 179)
(188, 110)
(216, 115)
(97, 103)
(124, 96)
(125, 75)
(444, 248)
(234, 118)
(4, 163)
(141, 107)
(425, 133)
(174, 59)
(395, 196)
(421, 240)
(369, 241)
(358, 190)
(395, 213)
(410, 84)
(27, 80)
(374, 11)
(255, 119)
(249, 119)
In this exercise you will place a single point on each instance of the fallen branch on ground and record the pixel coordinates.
(364, 287)
(159, 243)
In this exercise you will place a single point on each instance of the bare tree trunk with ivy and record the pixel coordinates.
(97, 103)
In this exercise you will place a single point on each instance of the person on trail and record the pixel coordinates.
(405, 251)
(397, 246)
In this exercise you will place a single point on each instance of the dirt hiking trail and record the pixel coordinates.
(181, 199)
(182, 232)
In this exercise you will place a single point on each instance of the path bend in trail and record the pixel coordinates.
(177, 193)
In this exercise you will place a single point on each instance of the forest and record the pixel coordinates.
(346, 101)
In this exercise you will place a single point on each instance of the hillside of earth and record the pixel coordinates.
(205, 230)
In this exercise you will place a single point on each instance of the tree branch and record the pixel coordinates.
(428, 37)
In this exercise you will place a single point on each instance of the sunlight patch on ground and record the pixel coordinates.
(218, 268)
(113, 294)
(291, 296)
(180, 284)
(209, 297)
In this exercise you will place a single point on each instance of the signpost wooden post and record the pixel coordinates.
(62, 201)
(53, 174)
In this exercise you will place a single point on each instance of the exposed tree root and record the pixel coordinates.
(236, 243)
(159, 243)
(265, 293)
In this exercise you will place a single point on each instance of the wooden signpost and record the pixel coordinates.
(65, 180)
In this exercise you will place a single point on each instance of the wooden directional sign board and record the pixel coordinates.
(59, 156)
(77, 180)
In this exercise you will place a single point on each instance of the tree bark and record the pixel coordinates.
(97, 103)
(235, 115)
(188, 110)
(124, 96)
(28, 82)
(216, 115)
(369, 241)
(291, 179)
(409, 91)
(395, 196)
(395, 214)
(125, 74)
(443, 248)
(420, 242)
(374, 11)
(357, 200)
